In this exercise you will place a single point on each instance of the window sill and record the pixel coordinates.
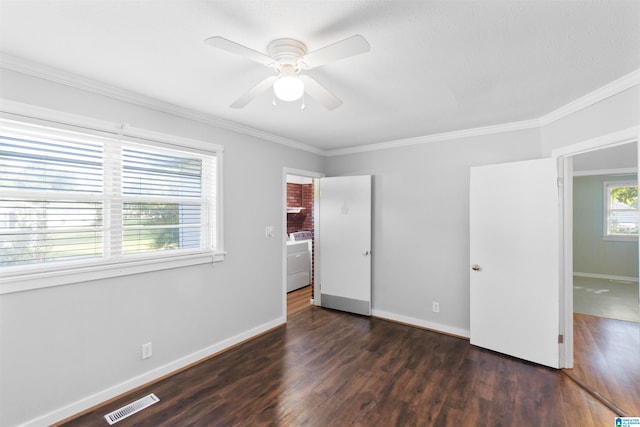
(620, 238)
(65, 275)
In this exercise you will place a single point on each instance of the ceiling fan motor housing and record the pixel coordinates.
(288, 57)
(287, 52)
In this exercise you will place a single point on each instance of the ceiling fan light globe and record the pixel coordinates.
(288, 88)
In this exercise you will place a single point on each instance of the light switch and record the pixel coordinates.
(269, 231)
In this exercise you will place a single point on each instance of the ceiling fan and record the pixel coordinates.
(288, 58)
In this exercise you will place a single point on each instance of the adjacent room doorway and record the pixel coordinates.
(490, 322)
(300, 213)
(339, 227)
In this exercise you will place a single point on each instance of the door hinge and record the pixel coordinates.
(560, 339)
(560, 182)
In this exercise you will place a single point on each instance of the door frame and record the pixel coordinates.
(315, 176)
(564, 157)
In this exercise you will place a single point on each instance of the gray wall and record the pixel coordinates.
(615, 113)
(592, 254)
(421, 193)
(614, 158)
(421, 222)
(60, 345)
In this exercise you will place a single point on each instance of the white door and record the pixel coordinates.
(515, 254)
(345, 243)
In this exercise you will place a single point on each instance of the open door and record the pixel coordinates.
(345, 243)
(515, 254)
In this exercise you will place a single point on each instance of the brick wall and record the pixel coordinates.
(300, 195)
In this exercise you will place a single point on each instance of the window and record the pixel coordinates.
(621, 210)
(71, 199)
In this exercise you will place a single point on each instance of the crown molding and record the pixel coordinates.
(615, 87)
(48, 73)
(55, 75)
(609, 140)
(458, 134)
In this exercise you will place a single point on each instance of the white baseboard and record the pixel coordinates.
(606, 277)
(437, 327)
(111, 392)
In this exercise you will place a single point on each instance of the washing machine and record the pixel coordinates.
(299, 260)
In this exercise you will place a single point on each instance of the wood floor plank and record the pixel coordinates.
(299, 299)
(607, 359)
(331, 368)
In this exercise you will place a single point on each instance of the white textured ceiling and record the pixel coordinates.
(434, 66)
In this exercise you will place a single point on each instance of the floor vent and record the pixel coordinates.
(131, 408)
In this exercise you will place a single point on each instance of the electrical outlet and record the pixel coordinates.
(147, 350)
(436, 307)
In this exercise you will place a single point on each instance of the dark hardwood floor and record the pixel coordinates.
(332, 368)
(607, 360)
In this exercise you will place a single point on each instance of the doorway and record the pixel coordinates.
(604, 369)
(338, 232)
(605, 261)
(565, 156)
(300, 209)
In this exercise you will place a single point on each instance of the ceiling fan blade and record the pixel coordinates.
(351, 46)
(320, 93)
(253, 92)
(238, 49)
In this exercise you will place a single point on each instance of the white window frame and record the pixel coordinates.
(36, 276)
(605, 214)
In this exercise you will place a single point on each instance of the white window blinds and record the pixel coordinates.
(73, 197)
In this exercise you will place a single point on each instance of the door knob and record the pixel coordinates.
(475, 267)
(365, 253)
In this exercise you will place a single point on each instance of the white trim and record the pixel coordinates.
(20, 65)
(615, 87)
(596, 172)
(609, 140)
(64, 275)
(220, 208)
(606, 210)
(19, 113)
(606, 277)
(620, 238)
(421, 323)
(566, 246)
(458, 134)
(118, 389)
(565, 252)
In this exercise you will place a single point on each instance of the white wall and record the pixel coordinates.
(61, 345)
